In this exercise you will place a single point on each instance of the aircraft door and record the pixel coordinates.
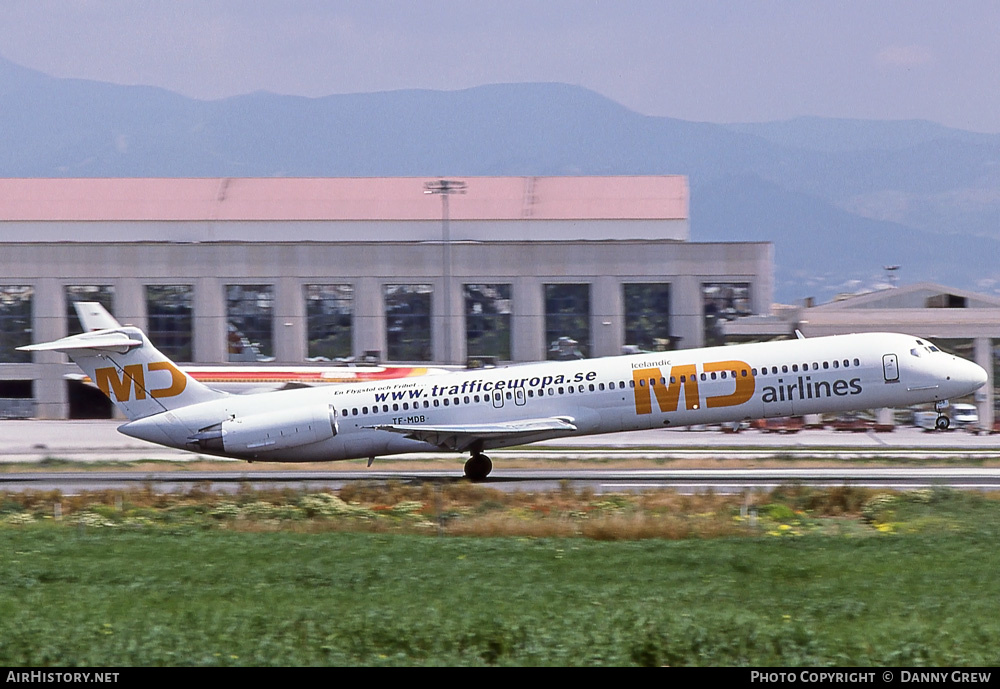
(519, 399)
(890, 367)
(497, 399)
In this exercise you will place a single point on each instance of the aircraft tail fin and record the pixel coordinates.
(127, 368)
(93, 316)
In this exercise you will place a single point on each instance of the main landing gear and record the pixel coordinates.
(478, 467)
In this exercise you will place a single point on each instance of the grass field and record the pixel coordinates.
(380, 577)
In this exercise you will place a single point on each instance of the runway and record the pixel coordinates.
(89, 441)
(704, 460)
(540, 480)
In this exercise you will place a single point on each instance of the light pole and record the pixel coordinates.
(445, 188)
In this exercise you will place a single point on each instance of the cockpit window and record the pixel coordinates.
(915, 352)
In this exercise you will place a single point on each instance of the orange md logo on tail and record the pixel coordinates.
(119, 387)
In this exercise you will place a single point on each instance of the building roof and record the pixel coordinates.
(381, 198)
(919, 295)
(924, 309)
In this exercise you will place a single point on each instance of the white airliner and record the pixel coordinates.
(255, 376)
(473, 411)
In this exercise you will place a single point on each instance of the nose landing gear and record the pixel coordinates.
(942, 422)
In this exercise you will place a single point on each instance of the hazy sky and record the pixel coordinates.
(716, 61)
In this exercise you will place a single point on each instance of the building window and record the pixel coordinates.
(102, 294)
(723, 301)
(249, 310)
(15, 323)
(408, 322)
(647, 316)
(168, 309)
(567, 320)
(329, 315)
(487, 321)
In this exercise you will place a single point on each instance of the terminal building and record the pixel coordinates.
(294, 271)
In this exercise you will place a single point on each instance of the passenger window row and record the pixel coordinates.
(479, 399)
(765, 370)
(714, 375)
(814, 366)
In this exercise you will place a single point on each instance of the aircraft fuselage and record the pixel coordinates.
(583, 397)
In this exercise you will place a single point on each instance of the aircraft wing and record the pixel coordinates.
(462, 436)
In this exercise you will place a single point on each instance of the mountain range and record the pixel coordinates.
(840, 199)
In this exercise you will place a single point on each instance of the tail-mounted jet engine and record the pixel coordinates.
(257, 434)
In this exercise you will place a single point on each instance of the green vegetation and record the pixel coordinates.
(381, 574)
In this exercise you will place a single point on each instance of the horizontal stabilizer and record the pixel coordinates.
(102, 340)
(461, 436)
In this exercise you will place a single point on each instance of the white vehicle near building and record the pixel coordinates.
(964, 415)
(954, 416)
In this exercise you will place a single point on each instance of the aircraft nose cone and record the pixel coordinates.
(969, 375)
(979, 376)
